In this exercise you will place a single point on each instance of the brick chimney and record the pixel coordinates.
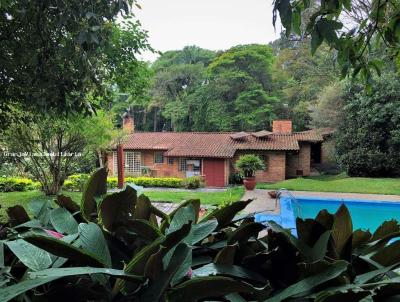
(128, 122)
(282, 126)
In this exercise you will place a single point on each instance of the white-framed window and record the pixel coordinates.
(158, 157)
(132, 162)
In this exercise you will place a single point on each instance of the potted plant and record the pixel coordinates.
(248, 165)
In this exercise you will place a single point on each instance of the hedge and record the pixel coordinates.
(12, 184)
(166, 182)
(76, 182)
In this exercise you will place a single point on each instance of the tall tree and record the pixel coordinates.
(51, 52)
(54, 147)
(298, 78)
(372, 22)
(368, 140)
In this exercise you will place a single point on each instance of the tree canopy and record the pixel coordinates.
(52, 55)
(351, 28)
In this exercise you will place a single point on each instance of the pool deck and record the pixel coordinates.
(263, 203)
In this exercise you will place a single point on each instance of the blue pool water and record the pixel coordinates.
(366, 214)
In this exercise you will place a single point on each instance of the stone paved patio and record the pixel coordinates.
(261, 203)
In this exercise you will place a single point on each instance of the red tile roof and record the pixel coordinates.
(215, 144)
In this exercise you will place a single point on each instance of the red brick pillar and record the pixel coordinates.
(120, 166)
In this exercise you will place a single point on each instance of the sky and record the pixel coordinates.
(211, 24)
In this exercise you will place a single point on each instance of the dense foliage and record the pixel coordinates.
(242, 88)
(38, 38)
(77, 182)
(368, 140)
(100, 251)
(14, 184)
(248, 164)
(51, 147)
(352, 28)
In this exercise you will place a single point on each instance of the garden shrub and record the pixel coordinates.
(189, 255)
(167, 182)
(13, 184)
(236, 179)
(193, 182)
(76, 182)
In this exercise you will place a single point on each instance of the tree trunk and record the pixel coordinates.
(100, 156)
(155, 120)
(144, 120)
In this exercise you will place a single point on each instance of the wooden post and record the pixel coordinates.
(120, 166)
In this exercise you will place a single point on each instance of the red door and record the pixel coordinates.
(214, 172)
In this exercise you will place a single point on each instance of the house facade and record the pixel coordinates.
(286, 154)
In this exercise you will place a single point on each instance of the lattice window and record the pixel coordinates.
(182, 164)
(158, 157)
(132, 163)
(170, 160)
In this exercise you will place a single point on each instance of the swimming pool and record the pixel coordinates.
(365, 214)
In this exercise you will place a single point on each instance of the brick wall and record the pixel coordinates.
(161, 170)
(300, 160)
(282, 126)
(275, 165)
(292, 164)
(157, 170)
(305, 158)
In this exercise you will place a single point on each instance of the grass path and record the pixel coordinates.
(339, 183)
(209, 198)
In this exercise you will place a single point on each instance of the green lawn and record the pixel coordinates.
(339, 183)
(210, 198)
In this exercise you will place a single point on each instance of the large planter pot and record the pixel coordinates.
(249, 183)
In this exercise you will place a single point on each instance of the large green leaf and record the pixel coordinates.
(116, 208)
(182, 216)
(319, 249)
(364, 278)
(144, 229)
(73, 271)
(139, 262)
(245, 232)
(307, 284)
(63, 221)
(388, 255)
(203, 230)
(360, 237)
(65, 250)
(303, 248)
(1, 255)
(96, 186)
(225, 215)
(143, 208)
(226, 255)
(157, 288)
(228, 270)
(342, 229)
(41, 210)
(184, 267)
(196, 207)
(65, 201)
(91, 239)
(17, 215)
(36, 279)
(10, 292)
(31, 256)
(386, 228)
(215, 286)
